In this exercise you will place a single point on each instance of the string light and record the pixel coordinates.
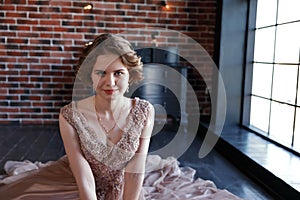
(165, 5)
(88, 7)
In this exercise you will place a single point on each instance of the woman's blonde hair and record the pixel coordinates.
(109, 44)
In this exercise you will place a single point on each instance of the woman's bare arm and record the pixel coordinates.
(134, 172)
(79, 165)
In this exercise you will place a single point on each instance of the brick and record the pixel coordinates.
(16, 66)
(126, 6)
(61, 16)
(42, 104)
(11, 46)
(8, 59)
(50, 35)
(19, 28)
(61, 3)
(114, 12)
(138, 13)
(71, 10)
(8, 21)
(16, 15)
(84, 17)
(20, 104)
(49, 22)
(39, 67)
(51, 9)
(145, 8)
(52, 48)
(29, 47)
(28, 60)
(50, 60)
(62, 79)
(7, 7)
(31, 110)
(134, 1)
(26, 8)
(105, 5)
(3, 27)
(72, 23)
(17, 53)
(86, 30)
(8, 34)
(15, 1)
(28, 34)
(29, 85)
(39, 54)
(42, 28)
(8, 110)
(39, 16)
(93, 23)
(39, 2)
(52, 85)
(63, 29)
(40, 41)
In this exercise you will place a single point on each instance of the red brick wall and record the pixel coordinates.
(41, 40)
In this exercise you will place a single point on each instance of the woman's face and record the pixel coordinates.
(110, 77)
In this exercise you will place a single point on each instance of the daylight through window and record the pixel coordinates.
(275, 95)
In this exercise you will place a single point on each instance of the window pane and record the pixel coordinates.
(298, 98)
(264, 44)
(259, 113)
(284, 83)
(297, 131)
(262, 79)
(288, 43)
(266, 13)
(281, 123)
(288, 10)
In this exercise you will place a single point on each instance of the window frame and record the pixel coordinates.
(248, 76)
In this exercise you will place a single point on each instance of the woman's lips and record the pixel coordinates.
(109, 91)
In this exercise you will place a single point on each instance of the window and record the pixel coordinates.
(275, 91)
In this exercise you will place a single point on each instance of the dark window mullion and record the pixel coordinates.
(274, 48)
(284, 23)
(277, 101)
(296, 102)
(276, 63)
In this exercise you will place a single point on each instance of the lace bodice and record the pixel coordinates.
(108, 160)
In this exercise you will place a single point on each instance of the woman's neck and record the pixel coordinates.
(108, 106)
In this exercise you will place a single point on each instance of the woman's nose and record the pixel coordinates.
(110, 80)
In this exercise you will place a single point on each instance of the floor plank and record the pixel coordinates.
(43, 143)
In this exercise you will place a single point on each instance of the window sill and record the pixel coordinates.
(275, 168)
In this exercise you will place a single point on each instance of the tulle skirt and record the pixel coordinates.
(164, 179)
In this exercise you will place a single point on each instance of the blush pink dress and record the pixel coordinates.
(164, 179)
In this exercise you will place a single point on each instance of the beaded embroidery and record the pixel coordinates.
(108, 162)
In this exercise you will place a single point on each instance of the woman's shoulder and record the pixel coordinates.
(143, 103)
(74, 106)
(144, 106)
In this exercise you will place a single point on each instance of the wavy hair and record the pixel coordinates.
(105, 44)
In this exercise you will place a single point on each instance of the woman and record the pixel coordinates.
(112, 168)
(105, 135)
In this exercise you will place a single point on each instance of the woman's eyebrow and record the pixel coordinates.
(99, 70)
(118, 70)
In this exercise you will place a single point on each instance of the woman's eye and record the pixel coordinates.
(100, 73)
(118, 73)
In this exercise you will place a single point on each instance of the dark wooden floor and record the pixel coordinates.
(43, 143)
(34, 143)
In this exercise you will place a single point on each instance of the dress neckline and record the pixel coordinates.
(125, 129)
